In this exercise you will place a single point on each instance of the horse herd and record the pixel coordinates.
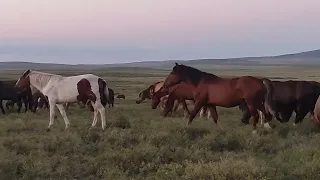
(256, 97)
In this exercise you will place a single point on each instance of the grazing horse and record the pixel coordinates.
(148, 93)
(60, 89)
(121, 96)
(212, 91)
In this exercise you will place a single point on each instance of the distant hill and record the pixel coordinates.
(302, 58)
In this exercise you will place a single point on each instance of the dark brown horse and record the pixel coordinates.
(297, 96)
(212, 91)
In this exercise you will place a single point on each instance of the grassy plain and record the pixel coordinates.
(140, 144)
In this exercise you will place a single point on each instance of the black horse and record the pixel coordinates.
(9, 92)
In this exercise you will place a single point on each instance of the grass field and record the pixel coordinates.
(138, 143)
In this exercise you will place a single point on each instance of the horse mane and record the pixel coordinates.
(43, 78)
(193, 74)
(158, 82)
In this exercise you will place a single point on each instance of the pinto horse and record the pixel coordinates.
(212, 91)
(60, 89)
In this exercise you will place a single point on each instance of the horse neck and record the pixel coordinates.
(42, 80)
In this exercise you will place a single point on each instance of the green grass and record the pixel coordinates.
(138, 143)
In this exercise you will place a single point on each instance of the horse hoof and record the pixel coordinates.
(47, 129)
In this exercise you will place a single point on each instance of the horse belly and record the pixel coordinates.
(224, 99)
(64, 96)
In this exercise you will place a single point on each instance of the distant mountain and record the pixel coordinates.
(302, 58)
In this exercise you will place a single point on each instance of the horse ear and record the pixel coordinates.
(176, 64)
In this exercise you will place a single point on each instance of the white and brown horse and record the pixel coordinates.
(60, 89)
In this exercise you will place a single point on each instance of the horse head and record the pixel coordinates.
(175, 77)
(24, 81)
(145, 94)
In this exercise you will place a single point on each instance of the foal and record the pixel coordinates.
(60, 90)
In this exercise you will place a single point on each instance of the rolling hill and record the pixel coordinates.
(302, 58)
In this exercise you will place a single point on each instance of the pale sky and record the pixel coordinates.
(108, 31)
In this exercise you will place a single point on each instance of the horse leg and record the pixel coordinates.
(214, 114)
(52, 113)
(185, 107)
(197, 106)
(35, 105)
(102, 112)
(301, 112)
(254, 113)
(1, 107)
(26, 103)
(169, 105)
(64, 115)
(176, 105)
(203, 111)
(19, 103)
(95, 117)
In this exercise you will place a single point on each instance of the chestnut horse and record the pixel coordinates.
(177, 93)
(212, 91)
(148, 93)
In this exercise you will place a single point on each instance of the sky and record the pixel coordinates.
(117, 31)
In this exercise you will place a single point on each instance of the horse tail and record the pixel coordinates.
(110, 96)
(104, 91)
(268, 103)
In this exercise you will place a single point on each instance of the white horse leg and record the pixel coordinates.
(209, 115)
(102, 112)
(52, 113)
(202, 112)
(95, 115)
(64, 115)
(266, 125)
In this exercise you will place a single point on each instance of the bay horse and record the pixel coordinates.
(212, 91)
(61, 89)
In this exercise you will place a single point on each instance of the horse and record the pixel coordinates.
(177, 93)
(212, 91)
(13, 95)
(297, 96)
(148, 93)
(121, 96)
(63, 89)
